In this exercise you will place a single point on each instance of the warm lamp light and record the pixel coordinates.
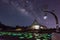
(36, 26)
(41, 27)
(18, 29)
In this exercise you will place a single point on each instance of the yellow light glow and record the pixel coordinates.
(41, 27)
(18, 29)
(36, 26)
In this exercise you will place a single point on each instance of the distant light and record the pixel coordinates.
(41, 27)
(45, 17)
(18, 29)
(36, 26)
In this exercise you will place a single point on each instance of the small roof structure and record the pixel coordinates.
(37, 25)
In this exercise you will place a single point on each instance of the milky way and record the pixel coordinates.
(23, 12)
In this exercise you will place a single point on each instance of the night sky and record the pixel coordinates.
(24, 12)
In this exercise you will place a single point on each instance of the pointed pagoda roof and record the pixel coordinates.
(35, 22)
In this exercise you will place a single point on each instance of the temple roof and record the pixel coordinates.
(35, 23)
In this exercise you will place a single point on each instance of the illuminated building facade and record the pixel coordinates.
(33, 32)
